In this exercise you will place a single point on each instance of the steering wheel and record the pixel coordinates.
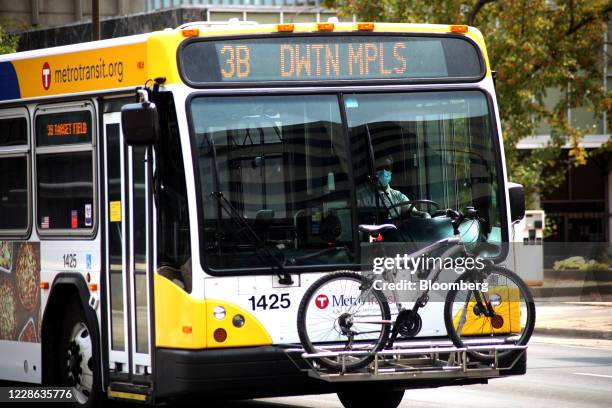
(411, 204)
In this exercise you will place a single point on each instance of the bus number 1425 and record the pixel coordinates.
(70, 261)
(271, 302)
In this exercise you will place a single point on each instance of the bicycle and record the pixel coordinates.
(358, 316)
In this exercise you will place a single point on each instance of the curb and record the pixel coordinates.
(578, 333)
(545, 292)
(603, 275)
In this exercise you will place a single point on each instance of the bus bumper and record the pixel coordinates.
(238, 373)
(259, 372)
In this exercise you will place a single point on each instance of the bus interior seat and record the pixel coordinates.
(312, 233)
(172, 273)
(330, 228)
(263, 220)
(179, 275)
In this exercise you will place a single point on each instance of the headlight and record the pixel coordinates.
(238, 320)
(219, 312)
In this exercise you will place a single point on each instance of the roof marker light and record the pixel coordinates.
(325, 26)
(365, 26)
(285, 28)
(191, 32)
(459, 28)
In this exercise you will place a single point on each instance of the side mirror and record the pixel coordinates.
(517, 201)
(140, 123)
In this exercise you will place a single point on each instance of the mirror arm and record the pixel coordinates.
(143, 95)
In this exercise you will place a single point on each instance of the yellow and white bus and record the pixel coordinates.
(122, 275)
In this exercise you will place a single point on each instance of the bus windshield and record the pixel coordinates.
(288, 166)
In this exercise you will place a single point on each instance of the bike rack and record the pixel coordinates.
(411, 360)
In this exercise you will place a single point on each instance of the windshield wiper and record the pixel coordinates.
(284, 278)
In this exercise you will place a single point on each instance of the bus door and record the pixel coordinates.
(127, 251)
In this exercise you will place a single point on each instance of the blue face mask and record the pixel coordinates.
(384, 178)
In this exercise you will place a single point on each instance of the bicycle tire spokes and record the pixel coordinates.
(337, 313)
(342, 307)
(463, 313)
(501, 307)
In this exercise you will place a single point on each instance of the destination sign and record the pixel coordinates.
(63, 128)
(329, 58)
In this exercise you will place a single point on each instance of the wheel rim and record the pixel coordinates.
(340, 304)
(79, 362)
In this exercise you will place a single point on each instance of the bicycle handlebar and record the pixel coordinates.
(457, 216)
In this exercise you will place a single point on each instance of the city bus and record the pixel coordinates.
(166, 199)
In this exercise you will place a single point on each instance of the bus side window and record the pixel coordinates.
(13, 177)
(65, 160)
(174, 243)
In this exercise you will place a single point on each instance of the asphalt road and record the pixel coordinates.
(562, 373)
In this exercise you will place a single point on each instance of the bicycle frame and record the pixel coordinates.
(456, 246)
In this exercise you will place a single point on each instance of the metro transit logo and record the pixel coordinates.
(322, 301)
(46, 76)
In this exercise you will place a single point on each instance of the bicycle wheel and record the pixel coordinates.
(513, 320)
(339, 306)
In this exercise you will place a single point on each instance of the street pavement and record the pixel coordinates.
(574, 319)
(561, 373)
(574, 308)
(569, 366)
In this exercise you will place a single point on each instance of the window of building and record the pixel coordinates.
(587, 120)
(64, 170)
(14, 191)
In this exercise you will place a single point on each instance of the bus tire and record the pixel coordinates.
(367, 397)
(76, 366)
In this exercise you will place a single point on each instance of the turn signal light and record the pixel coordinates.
(325, 26)
(93, 287)
(462, 29)
(220, 335)
(44, 285)
(365, 26)
(187, 329)
(191, 32)
(285, 28)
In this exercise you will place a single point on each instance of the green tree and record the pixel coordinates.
(535, 46)
(8, 43)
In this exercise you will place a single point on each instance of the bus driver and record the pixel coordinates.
(388, 196)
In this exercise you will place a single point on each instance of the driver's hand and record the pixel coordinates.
(422, 214)
(404, 213)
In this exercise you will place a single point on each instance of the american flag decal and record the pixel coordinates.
(45, 223)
